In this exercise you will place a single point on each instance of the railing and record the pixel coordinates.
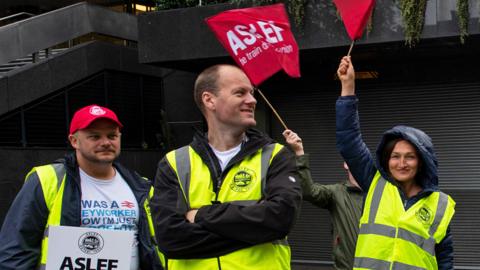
(34, 57)
(42, 32)
(9, 19)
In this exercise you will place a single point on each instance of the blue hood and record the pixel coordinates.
(428, 177)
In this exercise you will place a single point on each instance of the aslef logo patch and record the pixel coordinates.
(242, 180)
(95, 110)
(90, 243)
(424, 215)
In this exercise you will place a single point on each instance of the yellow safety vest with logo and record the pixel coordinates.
(243, 185)
(51, 179)
(393, 238)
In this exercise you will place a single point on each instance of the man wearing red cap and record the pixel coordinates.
(86, 189)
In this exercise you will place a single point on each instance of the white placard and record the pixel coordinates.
(83, 248)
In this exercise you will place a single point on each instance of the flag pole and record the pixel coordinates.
(273, 109)
(351, 47)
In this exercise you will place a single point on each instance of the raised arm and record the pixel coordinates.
(349, 137)
(318, 194)
(346, 74)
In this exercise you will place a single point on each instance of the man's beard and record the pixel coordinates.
(95, 159)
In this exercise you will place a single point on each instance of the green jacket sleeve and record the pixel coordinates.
(318, 194)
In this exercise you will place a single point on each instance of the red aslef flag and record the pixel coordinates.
(355, 14)
(259, 39)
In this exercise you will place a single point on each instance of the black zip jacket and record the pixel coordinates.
(221, 228)
(23, 229)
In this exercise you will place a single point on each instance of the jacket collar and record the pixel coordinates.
(139, 185)
(256, 140)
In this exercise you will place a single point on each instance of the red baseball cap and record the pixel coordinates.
(86, 115)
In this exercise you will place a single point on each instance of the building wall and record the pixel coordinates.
(37, 133)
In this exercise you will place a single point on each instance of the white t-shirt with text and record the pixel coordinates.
(110, 204)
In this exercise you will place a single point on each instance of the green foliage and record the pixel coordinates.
(171, 4)
(296, 8)
(463, 18)
(254, 2)
(413, 13)
(370, 22)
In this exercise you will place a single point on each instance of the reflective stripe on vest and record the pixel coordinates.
(51, 179)
(369, 263)
(54, 172)
(182, 158)
(250, 172)
(383, 225)
(182, 161)
(151, 227)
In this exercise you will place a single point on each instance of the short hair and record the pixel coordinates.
(207, 81)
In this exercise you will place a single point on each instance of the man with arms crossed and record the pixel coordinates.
(227, 200)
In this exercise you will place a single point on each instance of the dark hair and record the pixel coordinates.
(387, 152)
(206, 82)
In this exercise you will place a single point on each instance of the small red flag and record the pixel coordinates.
(259, 39)
(355, 14)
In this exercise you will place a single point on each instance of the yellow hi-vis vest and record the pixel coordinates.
(393, 238)
(244, 184)
(51, 179)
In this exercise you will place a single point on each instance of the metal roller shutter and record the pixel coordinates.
(449, 113)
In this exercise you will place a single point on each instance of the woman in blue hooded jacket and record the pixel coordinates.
(405, 222)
